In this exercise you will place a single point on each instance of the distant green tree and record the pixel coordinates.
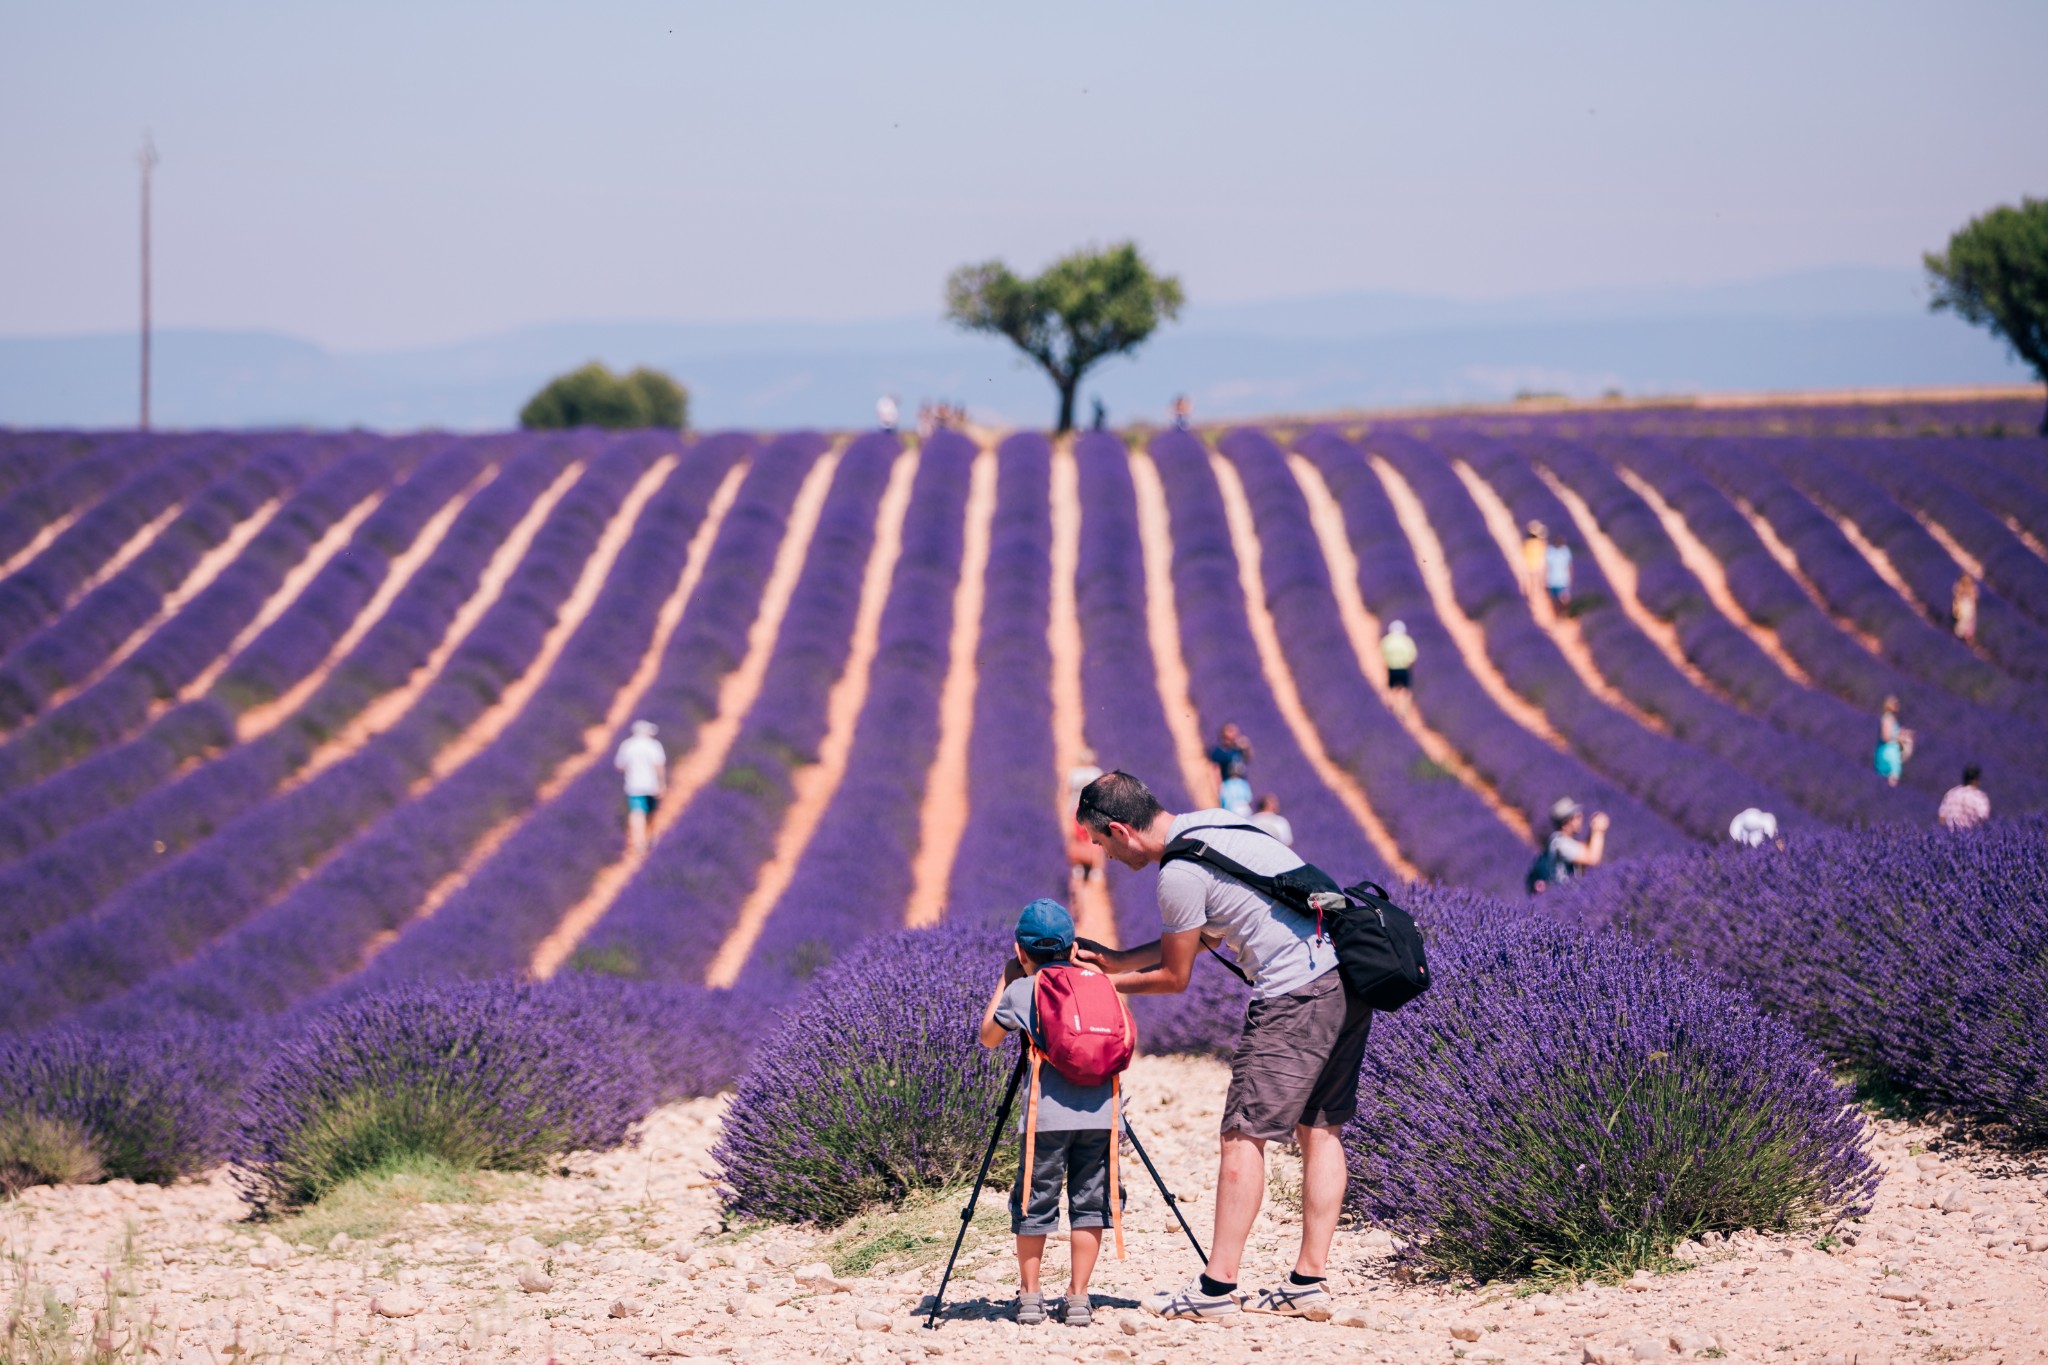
(595, 397)
(1084, 308)
(1995, 274)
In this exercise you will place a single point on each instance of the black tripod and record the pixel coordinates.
(931, 1322)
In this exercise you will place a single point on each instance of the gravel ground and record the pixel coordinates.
(625, 1258)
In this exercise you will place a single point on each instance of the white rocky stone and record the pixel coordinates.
(867, 1320)
(1467, 1331)
(534, 1280)
(628, 1307)
(397, 1303)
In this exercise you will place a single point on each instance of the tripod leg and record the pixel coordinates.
(988, 1156)
(1171, 1201)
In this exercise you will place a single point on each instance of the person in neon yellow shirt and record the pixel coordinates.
(1397, 647)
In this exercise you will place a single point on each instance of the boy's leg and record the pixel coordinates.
(1030, 1259)
(1086, 1247)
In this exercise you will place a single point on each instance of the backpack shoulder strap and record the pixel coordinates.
(1189, 848)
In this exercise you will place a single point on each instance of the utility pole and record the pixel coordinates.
(147, 157)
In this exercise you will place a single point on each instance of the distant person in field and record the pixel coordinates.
(1963, 609)
(1183, 412)
(1099, 417)
(1557, 574)
(1294, 1078)
(1085, 859)
(1397, 647)
(1534, 543)
(1754, 828)
(1566, 855)
(1894, 744)
(1964, 806)
(645, 764)
(927, 420)
(885, 412)
(1267, 817)
(1232, 754)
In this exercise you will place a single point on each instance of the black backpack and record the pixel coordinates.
(1543, 872)
(1379, 949)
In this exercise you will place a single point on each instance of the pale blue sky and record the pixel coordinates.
(379, 174)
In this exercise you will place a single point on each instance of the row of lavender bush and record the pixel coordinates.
(106, 847)
(669, 921)
(159, 921)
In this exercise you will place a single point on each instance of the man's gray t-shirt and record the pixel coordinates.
(1062, 1105)
(1277, 948)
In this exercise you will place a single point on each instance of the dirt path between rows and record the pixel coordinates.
(261, 719)
(1789, 562)
(21, 558)
(736, 694)
(1881, 564)
(1362, 628)
(1570, 639)
(1094, 914)
(597, 738)
(1162, 622)
(1713, 579)
(1622, 576)
(1463, 630)
(197, 579)
(296, 580)
(942, 820)
(387, 710)
(1244, 539)
(124, 556)
(639, 1266)
(816, 783)
(2027, 538)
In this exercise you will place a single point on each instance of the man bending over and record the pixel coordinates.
(1295, 1075)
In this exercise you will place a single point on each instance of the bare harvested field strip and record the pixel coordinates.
(99, 847)
(1364, 630)
(1782, 553)
(942, 816)
(163, 919)
(374, 885)
(782, 540)
(686, 894)
(1224, 676)
(135, 545)
(1398, 578)
(1280, 680)
(1094, 916)
(50, 531)
(1014, 847)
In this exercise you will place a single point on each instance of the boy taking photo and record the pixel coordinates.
(1069, 1126)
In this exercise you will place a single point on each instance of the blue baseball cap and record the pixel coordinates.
(1045, 927)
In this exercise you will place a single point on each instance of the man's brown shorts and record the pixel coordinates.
(1298, 1060)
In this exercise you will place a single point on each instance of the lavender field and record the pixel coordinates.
(300, 728)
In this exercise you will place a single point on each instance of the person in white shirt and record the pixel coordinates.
(645, 764)
(1965, 806)
(885, 412)
(1268, 818)
(1754, 828)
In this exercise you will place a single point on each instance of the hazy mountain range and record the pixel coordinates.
(1820, 329)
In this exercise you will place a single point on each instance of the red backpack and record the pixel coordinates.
(1088, 1034)
(1089, 1039)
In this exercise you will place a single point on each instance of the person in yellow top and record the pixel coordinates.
(1397, 647)
(1533, 545)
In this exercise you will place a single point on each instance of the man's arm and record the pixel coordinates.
(992, 1033)
(1160, 968)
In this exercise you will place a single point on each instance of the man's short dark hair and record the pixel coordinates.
(1117, 798)
(1971, 772)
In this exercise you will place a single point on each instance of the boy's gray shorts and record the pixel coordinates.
(1298, 1061)
(1080, 1160)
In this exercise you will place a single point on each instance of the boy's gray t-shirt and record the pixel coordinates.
(1277, 948)
(1062, 1106)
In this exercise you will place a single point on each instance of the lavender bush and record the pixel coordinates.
(1919, 959)
(874, 1087)
(484, 1075)
(143, 1106)
(1567, 1103)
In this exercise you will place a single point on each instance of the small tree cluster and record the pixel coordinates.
(595, 397)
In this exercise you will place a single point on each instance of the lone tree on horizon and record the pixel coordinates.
(595, 397)
(1086, 307)
(1995, 274)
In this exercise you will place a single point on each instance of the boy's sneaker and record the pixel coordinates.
(1030, 1309)
(1191, 1302)
(1310, 1301)
(1078, 1312)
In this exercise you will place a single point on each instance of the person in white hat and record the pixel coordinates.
(645, 764)
(1569, 854)
(1754, 828)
